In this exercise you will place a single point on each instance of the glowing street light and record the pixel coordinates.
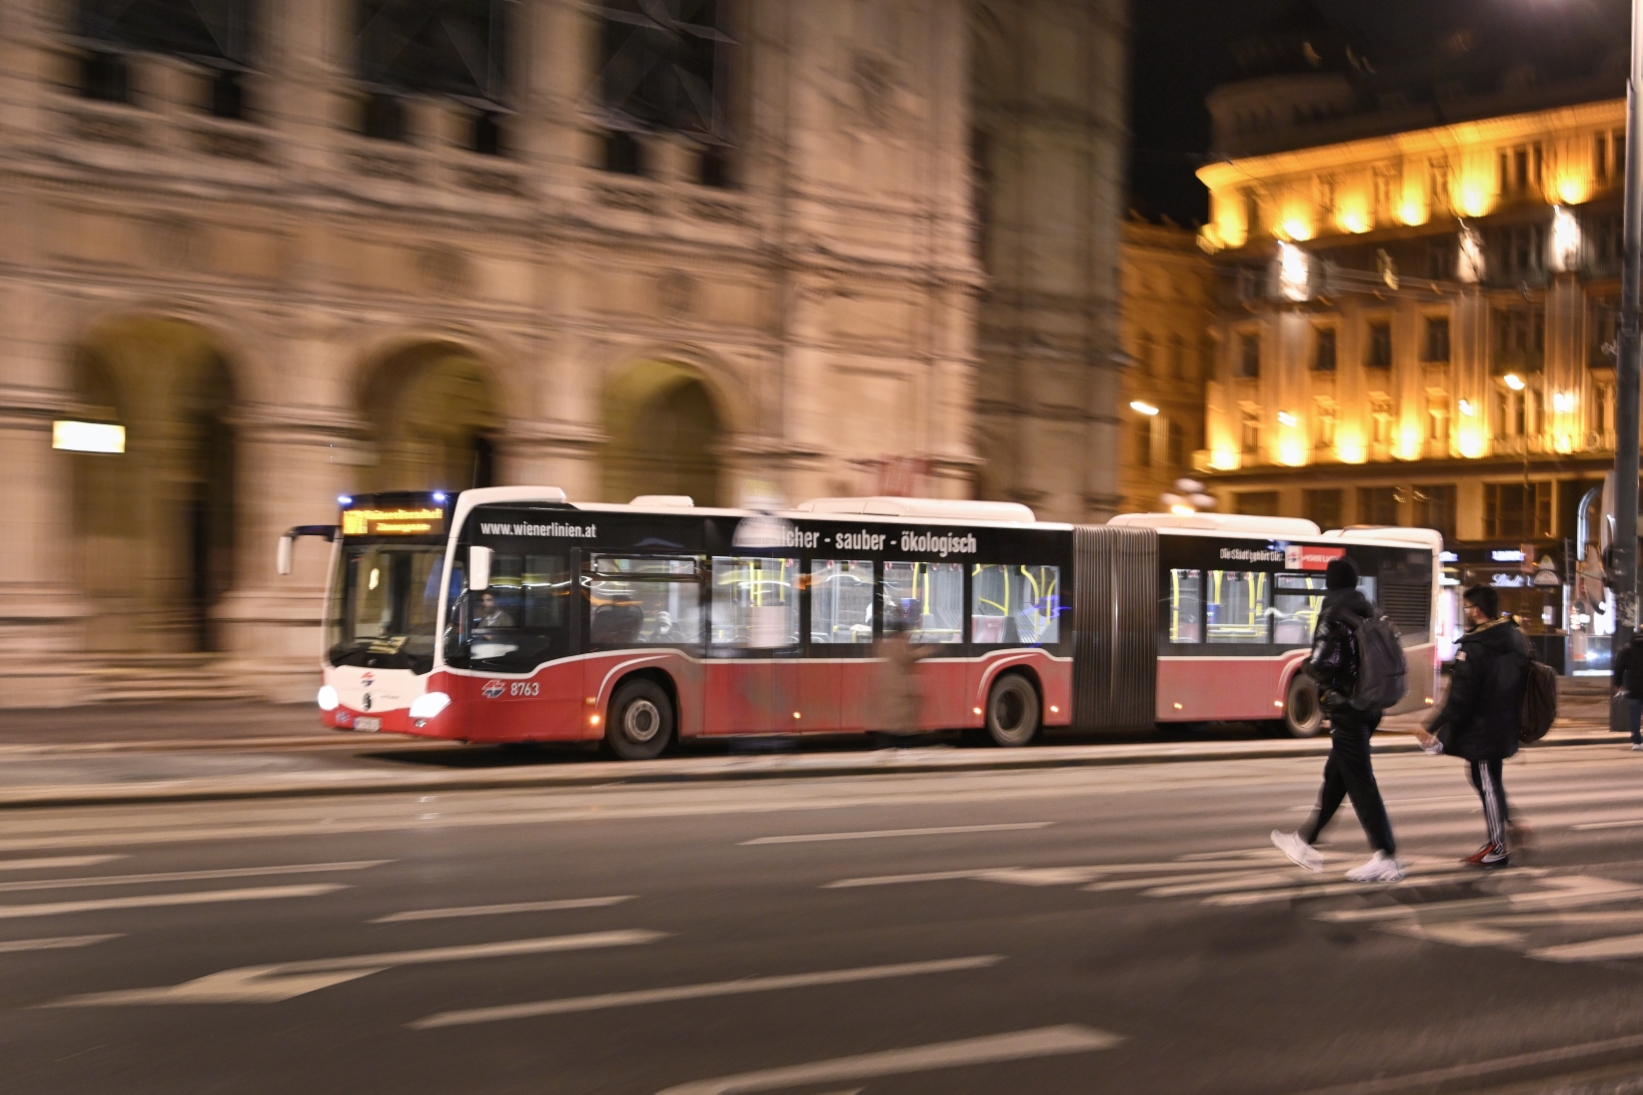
(1143, 408)
(1513, 381)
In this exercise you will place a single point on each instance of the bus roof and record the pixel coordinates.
(1218, 522)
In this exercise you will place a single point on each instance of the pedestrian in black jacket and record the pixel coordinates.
(1347, 773)
(1627, 676)
(1480, 717)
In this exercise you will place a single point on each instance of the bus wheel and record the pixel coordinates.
(1012, 711)
(1303, 717)
(641, 720)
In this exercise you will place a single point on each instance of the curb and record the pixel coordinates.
(719, 770)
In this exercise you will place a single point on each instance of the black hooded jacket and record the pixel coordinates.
(1334, 660)
(1482, 714)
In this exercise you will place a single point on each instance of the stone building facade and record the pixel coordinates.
(299, 248)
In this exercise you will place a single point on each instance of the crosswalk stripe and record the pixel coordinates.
(271, 984)
(1333, 889)
(702, 991)
(61, 942)
(1020, 1045)
(1618, 946)
(54, 862)
(147, 901)
(187, 876)
(877, 834)
(499, 910)
(1567, 892)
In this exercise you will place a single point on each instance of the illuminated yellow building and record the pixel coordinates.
(1416, 325)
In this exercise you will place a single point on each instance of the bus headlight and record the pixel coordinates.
(328, 699)
(429, 704)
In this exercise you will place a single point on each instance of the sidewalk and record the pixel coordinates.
(159, 756)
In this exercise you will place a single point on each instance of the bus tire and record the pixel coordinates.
(1012, 711)
(641, 720)
(1303, 715)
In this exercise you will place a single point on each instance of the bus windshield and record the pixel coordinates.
(385, 606)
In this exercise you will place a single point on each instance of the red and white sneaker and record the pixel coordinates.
(1490, 857)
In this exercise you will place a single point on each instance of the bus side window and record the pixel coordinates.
(1236, 606)
(755, 602)
(1295, 606)
(1012, 605)
(1186, 620)
(841, 601)
(644, 601)
(930, 597)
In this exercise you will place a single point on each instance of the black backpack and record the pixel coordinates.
(1382, 670)
(1539, 701)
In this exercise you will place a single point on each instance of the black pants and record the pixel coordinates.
(1485, 775)
(1348, 773)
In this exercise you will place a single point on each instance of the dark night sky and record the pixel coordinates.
(1182, 51)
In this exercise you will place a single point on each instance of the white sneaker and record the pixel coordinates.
(1636, 748)
(1299, 851)
(1380, 868)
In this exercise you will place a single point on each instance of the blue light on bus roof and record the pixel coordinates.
(344, 500)
(439, 496)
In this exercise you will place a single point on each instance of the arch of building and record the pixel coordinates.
(155, 526)
(433, 412)
(664, 422)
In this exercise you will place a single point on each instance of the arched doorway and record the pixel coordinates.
(155, 525)
(662, 431)
(433, 416)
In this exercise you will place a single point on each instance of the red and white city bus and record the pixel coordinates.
(510, 614)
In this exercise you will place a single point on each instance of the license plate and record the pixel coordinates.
(367, 723)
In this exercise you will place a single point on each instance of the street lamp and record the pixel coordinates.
(1624, 558)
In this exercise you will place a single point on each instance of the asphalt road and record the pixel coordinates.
(1124, 929)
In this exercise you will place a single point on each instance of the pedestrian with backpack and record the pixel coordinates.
(1483, 716)
(1348, 628)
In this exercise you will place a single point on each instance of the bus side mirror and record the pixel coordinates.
(479, 568)
(282, 557)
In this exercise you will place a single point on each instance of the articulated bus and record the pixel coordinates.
(509, 614)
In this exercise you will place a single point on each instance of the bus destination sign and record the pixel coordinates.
(401, 521)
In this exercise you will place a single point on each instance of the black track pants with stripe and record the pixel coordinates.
(1485, 775)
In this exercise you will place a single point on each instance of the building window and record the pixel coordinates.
(1177, 446)
(1323, 507)
(1521, 251)
(457, 48)
(228, 94)
(1144, 353)
(1178, 357)
(1249, 356)
(665, 66)
(1437, 422)
(105, 77)
(1519, 339)
(1143, 442)
(1435, 508)
(713, 168)
(1378, 505)
(1249, 432)
(1380, 420)
(1437, 339)
(382, 117)
(1323, 350)
(624, 155)
(1600, 157)
(1256, 503)
(1252, 213)
(220, 33)
(1603, 414)
(1378, 346)
(1324, 420)
(486, 135)
(1514, 510)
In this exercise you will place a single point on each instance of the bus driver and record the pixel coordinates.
(490, 613)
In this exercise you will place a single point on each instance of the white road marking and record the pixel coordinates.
(1564, 893)
(499, 910)
(151, 901)
(187, 876)
(697, 992)
(1440, 1078)
(897, 879)
(877, 834)
(1154, 880)
(1626, 823)
(284, 980)
(1034, 876)
(1593, 950)
(54, 862)
(1335, 889)
(61, 942)
(1043, 1042)
(1460, 933)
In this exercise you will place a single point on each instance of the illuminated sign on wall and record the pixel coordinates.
(1506, 556)
(71, 436)
(393, 522)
